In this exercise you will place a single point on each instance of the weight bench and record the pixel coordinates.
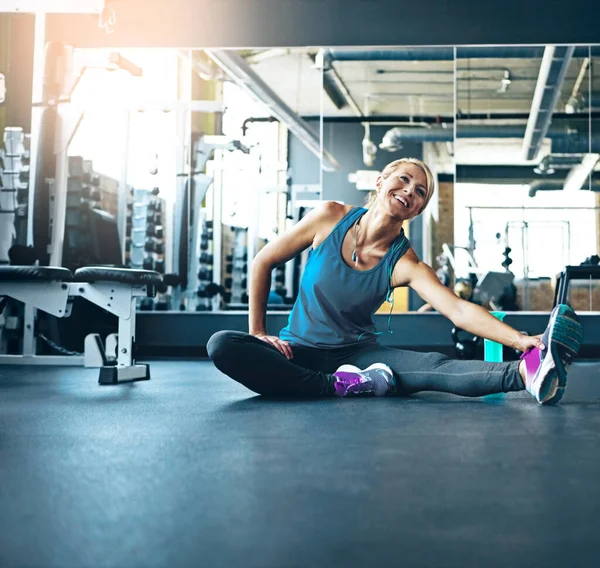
(52, 290)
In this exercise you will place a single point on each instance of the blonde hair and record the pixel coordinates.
(391, 167)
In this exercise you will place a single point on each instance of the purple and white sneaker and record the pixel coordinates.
(377, 379)
(547, 370)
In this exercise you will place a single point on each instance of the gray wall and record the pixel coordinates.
(343, 141)
(271, 23)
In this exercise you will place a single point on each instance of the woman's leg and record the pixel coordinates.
(415, 372)
(264, 370)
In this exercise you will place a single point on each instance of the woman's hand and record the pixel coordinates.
(282, 346)
(526, 342)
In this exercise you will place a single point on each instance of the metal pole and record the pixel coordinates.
(36, 115)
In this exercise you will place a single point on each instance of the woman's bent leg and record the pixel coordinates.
(415, 372)
(264, 370)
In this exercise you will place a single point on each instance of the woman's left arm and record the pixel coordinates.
(465, 315)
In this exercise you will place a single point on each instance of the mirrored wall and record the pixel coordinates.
(217, 152)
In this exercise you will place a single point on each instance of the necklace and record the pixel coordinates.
(355, 259)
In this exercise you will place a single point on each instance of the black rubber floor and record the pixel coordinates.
(191, 469)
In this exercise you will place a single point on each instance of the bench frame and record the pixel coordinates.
(116, 360)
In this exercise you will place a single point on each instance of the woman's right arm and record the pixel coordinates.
(279, 251)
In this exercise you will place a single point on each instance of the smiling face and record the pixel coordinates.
(404, 191)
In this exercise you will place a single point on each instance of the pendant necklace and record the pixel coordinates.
(354, 253)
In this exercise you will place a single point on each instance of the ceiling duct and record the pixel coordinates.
(550, 79)
(512, 175)
(447, 53)
(392, 139)
(247, 79)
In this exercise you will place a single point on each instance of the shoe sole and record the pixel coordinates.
(565, 340)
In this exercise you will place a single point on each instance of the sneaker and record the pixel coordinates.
(547, 370)
(377, 379)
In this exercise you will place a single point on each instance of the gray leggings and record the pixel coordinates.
(264, 370)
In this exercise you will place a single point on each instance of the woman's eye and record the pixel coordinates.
(421, 192)
(404, 179)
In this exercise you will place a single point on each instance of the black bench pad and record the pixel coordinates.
(122, 275)
(12, 273)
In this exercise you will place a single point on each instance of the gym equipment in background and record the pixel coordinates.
(14, 186)
(52, 290)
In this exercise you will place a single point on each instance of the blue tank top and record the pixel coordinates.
(336, 303)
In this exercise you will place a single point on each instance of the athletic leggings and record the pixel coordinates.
(263, 369)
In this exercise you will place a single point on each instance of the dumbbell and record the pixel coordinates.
(155, 231)
(154, 217)
(155, 205)
(465, 344)
(162, 304)
(153, 245)
(205, 274)
(206, 258)
(210, 290)
(147, 304)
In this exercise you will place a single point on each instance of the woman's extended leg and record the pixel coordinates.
(415, 372)
(264, 370)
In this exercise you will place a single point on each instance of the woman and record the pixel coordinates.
(358, 256)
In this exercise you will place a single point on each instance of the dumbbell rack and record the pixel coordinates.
(14, 186)
(206, 288)
(144, 243)
(83, 195)
(235, 281)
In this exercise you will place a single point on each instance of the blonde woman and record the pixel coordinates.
(357, 257)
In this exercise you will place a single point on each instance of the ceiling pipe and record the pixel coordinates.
(550, 79)
(512, 175)
(447, 53)
(247, 79)
(392, 139)
(565, 137)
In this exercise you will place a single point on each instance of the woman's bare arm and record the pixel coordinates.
(298, 238)
(465, 315)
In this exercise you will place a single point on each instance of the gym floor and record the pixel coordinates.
(192, 469)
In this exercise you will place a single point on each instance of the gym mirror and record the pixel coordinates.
(525, 201)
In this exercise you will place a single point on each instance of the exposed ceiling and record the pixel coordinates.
(526, 96)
